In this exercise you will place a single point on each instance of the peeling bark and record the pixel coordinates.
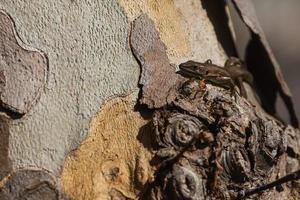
(262, 62)
(151, 53)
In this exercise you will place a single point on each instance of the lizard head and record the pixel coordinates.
(233, 61)
(193, 69)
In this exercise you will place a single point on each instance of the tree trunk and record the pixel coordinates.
(75, 123)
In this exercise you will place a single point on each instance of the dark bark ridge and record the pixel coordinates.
(261, 62)
(211, 145)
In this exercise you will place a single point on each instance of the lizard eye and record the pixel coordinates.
(208, 61)
(238, 63)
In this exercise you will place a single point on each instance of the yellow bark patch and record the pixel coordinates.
(112, 162)
(166, 19)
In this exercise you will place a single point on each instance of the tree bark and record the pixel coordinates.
(87, 87)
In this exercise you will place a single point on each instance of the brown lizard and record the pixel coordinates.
(233, 73)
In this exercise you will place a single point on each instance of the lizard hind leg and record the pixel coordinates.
(231, 86)
(241, 87)
(233, 93)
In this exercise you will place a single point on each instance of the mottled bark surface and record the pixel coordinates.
(211, 143)
(72, 126)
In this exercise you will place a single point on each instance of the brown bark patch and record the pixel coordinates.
(30, 184)
(151, 52)
(111, 163)
(167, 19)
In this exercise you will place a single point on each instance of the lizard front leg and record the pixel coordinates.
(225, 82)
(239, 83)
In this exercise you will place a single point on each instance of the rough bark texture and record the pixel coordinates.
(151, 52)
(82, 133)
(210, 144)
(33, 184)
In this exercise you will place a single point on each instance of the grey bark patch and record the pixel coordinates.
(30, 185)
(157, 76)
(23, 70)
